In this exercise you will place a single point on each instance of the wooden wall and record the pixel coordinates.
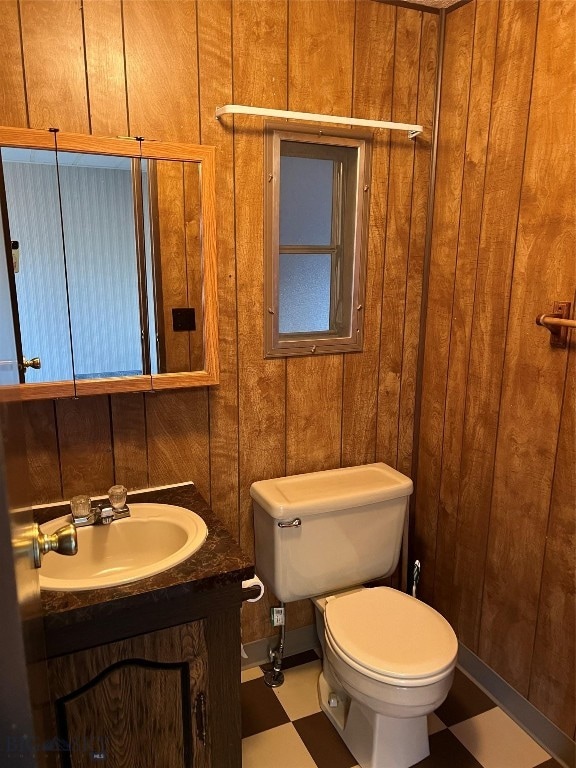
(159, 69)
(493, 525)
(495, 504)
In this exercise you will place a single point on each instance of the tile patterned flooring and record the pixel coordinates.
(285, 728)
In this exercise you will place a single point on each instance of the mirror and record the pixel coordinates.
(112, 262)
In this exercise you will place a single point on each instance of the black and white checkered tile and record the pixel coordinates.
(285, 728)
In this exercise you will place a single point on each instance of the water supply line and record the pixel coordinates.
(274, 677)
(415, 576)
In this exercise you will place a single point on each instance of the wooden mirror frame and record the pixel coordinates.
(149, 150)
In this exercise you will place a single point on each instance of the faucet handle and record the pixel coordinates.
(117, 495)
(81, 507)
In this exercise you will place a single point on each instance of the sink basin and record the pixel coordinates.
(154, 538)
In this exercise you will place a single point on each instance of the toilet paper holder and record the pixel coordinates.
(252, 590)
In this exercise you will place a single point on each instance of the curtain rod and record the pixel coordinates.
(237, 109)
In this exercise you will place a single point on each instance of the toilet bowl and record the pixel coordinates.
(388, 658)
(389, 661)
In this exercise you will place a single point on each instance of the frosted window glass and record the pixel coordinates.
(305, 201)
(304, 287)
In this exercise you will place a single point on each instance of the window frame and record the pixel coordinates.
(349, 254)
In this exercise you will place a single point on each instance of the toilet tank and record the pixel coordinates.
(351, 526)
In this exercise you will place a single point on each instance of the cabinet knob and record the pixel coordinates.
(34, 362)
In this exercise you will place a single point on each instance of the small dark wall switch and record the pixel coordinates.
(184, 319)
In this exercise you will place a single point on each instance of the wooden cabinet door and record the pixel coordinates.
(136, 703)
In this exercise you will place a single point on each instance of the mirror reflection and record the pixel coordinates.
(107, 258)
(110, 249)
(176, 190)
(31, 184)
(99, 237)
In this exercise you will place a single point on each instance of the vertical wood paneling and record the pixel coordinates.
(451, 142)
(553, 670)
(103, 36)
(418, 221)
(42, 449)
(501, 531)
(12, 97)
(533, 379)
(321, 45)
(215, 73)
(172, 236)
(313, 428)
(268, 417)
(448, 593)
(129, 440)
(259, 78)
(85, 445)
(507, 138)
(553, 665)
(193, 253)
(161, 69)
(373, 82)
(404, 106)
(54, 64)
(177, 428)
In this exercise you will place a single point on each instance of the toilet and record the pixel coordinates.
(388, 658)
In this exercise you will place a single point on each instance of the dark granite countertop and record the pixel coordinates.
(156, 601)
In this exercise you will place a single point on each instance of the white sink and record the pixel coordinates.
(154, 538)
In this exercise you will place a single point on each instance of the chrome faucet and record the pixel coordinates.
(83, 513)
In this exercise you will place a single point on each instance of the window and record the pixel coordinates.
(316, 212)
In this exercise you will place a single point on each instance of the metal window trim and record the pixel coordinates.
(353, 227)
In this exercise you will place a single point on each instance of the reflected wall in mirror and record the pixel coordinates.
(111, 254)
(175, 190)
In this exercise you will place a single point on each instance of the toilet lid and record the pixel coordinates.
(390, 633)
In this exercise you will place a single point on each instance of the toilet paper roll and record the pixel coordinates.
(255, 582)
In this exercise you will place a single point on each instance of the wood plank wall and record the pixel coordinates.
(159, 70)
(495, 504)
(494, 512)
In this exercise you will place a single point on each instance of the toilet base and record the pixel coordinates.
(375, 740)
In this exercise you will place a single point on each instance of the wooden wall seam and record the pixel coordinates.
(82, 17)
(469, 239)
(18, 6)
(446, 213)
(484, 643)
(449, 518)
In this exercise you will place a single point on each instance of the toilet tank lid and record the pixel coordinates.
(332, 489)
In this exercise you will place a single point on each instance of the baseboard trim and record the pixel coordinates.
(296, 641)
(542, 730)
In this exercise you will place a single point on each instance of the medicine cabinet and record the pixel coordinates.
(111, 254)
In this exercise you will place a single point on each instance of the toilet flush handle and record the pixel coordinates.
(296, 523)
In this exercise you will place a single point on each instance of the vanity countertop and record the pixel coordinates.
(209, 579)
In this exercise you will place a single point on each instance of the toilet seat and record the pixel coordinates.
(390, 637)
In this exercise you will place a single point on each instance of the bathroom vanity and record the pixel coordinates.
(148, 673)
